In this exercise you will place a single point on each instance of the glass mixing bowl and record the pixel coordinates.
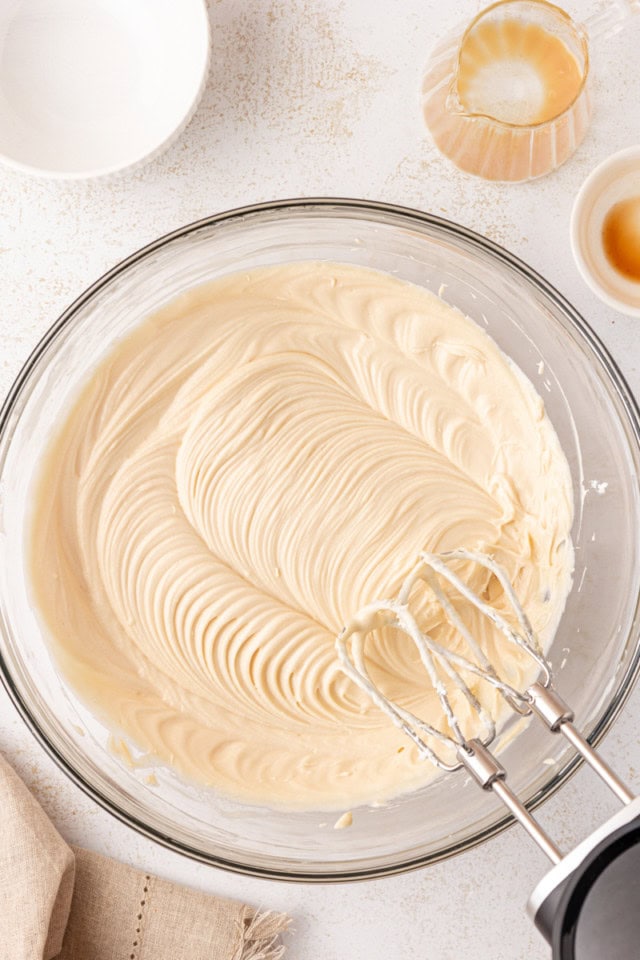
(595, 653)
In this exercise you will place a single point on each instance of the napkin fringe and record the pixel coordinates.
(261, 937)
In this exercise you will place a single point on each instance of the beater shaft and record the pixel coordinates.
(596, 762)
(530, 824)
(546, 703)
(491, 775)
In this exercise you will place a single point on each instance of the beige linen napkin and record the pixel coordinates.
(70, 904)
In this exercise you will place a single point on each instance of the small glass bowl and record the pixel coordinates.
(595, 653)
(496, 149)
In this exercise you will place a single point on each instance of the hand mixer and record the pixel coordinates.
(587, 906)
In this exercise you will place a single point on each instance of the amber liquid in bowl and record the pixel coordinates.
(621, 238)
(516, 72)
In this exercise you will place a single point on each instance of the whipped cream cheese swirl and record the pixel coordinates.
(250, 466)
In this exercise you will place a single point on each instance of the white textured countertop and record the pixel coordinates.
(320, 98)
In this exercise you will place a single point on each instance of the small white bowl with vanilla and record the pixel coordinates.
(605, 231)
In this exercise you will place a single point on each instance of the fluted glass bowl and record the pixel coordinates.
(595, 652)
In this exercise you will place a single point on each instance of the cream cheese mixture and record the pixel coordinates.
(252, 465)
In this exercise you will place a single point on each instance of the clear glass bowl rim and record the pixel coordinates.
(375, 210)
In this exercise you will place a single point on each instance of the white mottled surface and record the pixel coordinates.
(319, 97)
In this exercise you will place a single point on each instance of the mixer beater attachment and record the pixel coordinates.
(445, 670)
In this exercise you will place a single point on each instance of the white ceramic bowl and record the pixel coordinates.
(616, 179)
(91, 87)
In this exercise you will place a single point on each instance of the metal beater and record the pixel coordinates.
(588, 906)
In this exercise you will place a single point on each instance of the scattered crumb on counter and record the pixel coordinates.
(344, 821)
(151, 779)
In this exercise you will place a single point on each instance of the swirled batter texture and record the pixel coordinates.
(253, 464)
